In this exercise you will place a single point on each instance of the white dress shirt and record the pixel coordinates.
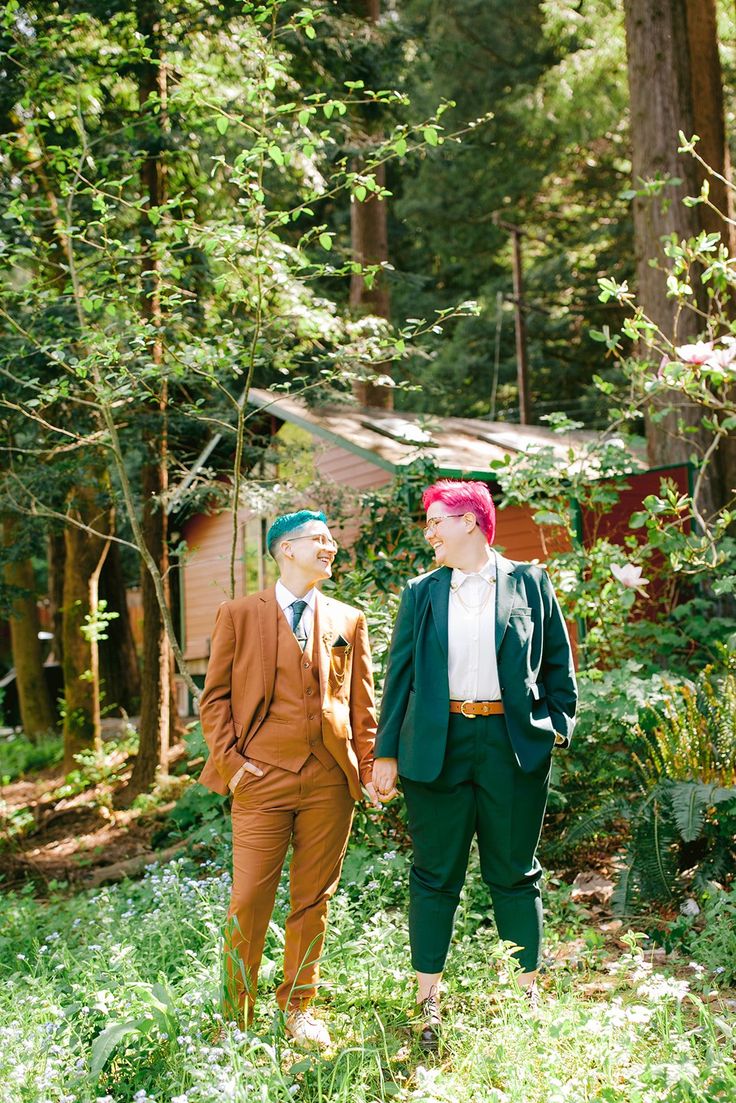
(285, 598)
(471, 635)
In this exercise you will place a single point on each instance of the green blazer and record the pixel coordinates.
(535, 670)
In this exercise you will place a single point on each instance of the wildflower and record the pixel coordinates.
(658, 988)
(698, 969)
(675, 1073)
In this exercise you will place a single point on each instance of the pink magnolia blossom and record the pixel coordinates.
(629, 575)
(694, 354)
(721, 358)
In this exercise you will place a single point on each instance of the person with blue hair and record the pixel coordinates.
(289, 717)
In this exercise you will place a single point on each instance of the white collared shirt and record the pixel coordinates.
(471, 634)
(285, 598)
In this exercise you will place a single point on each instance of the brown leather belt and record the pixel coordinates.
(471, 709)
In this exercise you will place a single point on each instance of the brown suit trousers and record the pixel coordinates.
(305, 796)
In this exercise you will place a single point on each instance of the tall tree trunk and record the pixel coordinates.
(120, 678)
(669, 43)
(36, 710)
(369, 239)
(709, 121)
(83, 562)
(56, 557)
(157, 716)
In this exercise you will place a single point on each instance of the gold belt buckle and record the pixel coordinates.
(467, 715)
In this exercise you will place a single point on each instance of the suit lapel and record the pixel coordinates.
(268, 612)
(439, 597)
(322, 636)
(505, 592)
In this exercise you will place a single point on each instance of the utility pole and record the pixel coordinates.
(522, 363)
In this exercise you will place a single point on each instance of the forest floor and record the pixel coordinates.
(78, 835)
(110, 926)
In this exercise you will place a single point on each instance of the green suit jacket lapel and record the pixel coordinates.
(439, 597)
(506, 586)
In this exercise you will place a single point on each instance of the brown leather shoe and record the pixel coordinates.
(431, 1024)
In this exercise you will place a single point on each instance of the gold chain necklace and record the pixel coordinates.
(475, 609)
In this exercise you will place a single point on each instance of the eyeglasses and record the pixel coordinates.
(433, 522)
(321, 540)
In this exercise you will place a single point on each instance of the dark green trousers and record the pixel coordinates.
(480, 791)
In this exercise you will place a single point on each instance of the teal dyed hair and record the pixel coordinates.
(287, 523)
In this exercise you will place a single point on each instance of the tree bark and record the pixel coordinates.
(669, 44)
(119, 670)
(158, 718)
(369, 239)
(709, 122)
(36, 710)
(56, 557)
(83, 559)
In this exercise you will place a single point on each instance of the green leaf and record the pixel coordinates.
(430, 136)
(325, 240)
(221, 123)
(108, 1041)
(689, 799)
(360, 193)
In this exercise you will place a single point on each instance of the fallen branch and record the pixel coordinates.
(131, 867)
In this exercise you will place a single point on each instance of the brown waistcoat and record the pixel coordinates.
(292, 729)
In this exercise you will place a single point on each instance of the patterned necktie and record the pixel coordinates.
(297, 623)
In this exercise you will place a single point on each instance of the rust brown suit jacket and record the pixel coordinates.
(240, 681)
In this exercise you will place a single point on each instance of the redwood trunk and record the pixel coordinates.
(369, 234)
(83, 558)
(36, 711)
(158, 719)
(119, 671)
(56, 557)
(669, 44)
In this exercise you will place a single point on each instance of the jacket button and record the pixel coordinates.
(306, 666)
(310, 691)
(312, 716)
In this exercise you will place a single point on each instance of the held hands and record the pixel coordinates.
(370, 791)
(385, 772)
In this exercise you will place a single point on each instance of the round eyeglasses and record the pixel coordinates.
(321, 540)
(433, 522)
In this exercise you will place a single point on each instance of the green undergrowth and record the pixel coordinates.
(19, 755)
(113, 996)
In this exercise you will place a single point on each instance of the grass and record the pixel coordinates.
(113, 996)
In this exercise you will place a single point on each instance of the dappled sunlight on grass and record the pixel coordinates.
(125, 983)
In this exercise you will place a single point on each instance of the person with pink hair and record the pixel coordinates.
(480, 687)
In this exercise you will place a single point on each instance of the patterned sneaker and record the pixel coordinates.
(431, 1023)
(305, 1030)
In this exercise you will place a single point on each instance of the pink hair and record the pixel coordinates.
(469, 497)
